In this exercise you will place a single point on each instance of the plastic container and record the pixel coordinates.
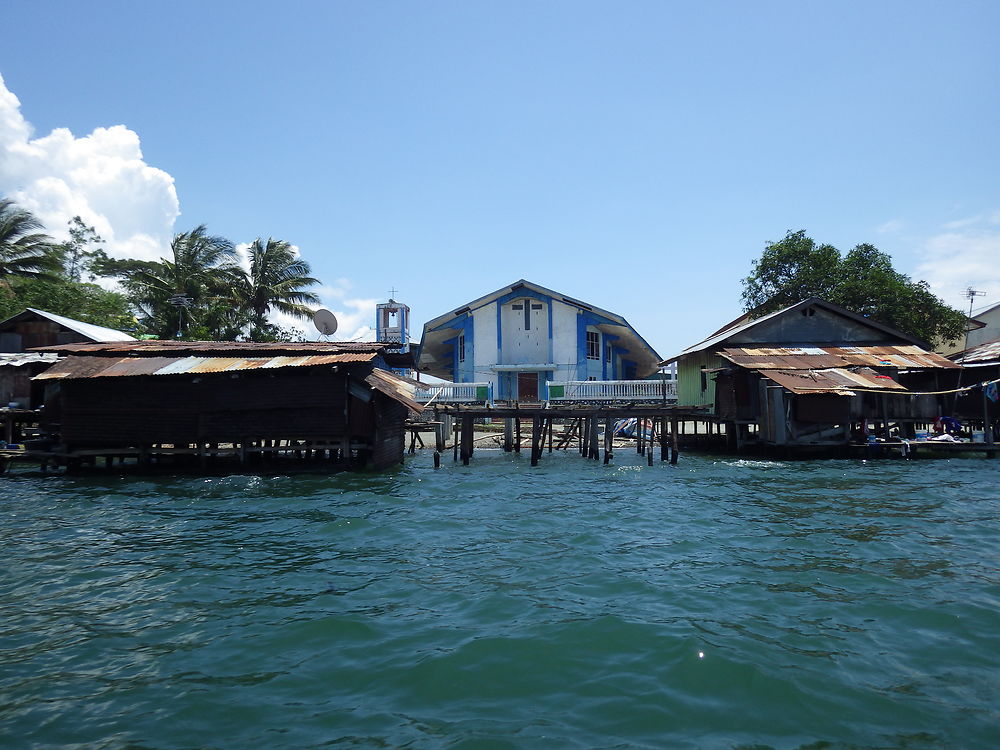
(978, 436)
(921, 434)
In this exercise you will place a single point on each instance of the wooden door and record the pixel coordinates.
(527, 386)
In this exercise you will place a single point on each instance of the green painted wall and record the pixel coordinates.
(689, 392)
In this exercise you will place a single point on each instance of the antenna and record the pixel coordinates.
(971, 294)
(325, 322)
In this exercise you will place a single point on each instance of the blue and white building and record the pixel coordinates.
(392, 326)
(523, 336)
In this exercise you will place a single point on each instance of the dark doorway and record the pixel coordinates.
(527, 386)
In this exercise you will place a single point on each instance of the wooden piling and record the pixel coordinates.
(536, 439)
(467, 438)
(595, 447)
(608, 440)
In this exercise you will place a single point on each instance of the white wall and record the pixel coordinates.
(484, 321)
(520, 345)
(564, 340)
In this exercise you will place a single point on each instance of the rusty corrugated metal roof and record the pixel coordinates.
(836, 381)
(980, 355)
(77, 367)
(218, 348)
(395, 387)
(906, 357)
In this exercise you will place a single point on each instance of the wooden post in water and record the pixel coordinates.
(987, 425)
(608, 440)
(437, 459)
(508, 435)
(517, 435)
(551, 428)
(536, 439)
(454, 438)
(467, 438)
(595, 446)
(663, 438)
(673, 451)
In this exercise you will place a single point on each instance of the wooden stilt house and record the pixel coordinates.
(812, 374)
(980, 404)
(250, 401)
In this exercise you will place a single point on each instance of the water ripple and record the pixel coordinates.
(718, 603)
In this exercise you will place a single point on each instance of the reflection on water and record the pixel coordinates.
(718, 603)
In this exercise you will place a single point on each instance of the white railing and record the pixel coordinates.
(453, 393)
(611, 390)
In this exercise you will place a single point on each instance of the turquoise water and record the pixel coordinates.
(721, 603)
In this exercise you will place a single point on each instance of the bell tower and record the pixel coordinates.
(392, 326)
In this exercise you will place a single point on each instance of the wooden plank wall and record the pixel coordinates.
(211, 407)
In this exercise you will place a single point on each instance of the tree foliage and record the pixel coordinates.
(24, 251)
(80, 301)
(277, 280)
(862, 281)
(200, 291)
(79, 252)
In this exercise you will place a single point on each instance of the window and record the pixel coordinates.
(593, 345)
(461, 347)
(704, 379)
(607, 352)
(591, 378)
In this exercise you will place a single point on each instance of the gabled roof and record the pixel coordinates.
(521, 284)
(822, 357)
(978, 356)
(640, 351)
(89, 330)
(727, 333)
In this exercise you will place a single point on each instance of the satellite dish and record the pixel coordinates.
(325, 322)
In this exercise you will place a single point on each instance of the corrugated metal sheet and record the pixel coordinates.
(394, 387)
(77, 367)
(833, 381)
(222, 348)
(17, 359)
(980, 355)
(823, 357)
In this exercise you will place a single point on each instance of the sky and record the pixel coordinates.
(634, 155)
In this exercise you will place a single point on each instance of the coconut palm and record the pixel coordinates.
(277, 281)
(23, 250)
(186, 291)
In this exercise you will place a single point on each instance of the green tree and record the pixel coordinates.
(80, 301)
(80, 250)
(24, 251)
(863, 281)
(189, 291)
(277, 280)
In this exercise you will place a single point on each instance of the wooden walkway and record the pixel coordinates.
(660, 424)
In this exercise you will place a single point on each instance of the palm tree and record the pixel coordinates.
(185, 291)
(23, 251)
(276, 281)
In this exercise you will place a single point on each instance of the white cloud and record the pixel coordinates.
(890, 227)
(965, 255)
(100, 177)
